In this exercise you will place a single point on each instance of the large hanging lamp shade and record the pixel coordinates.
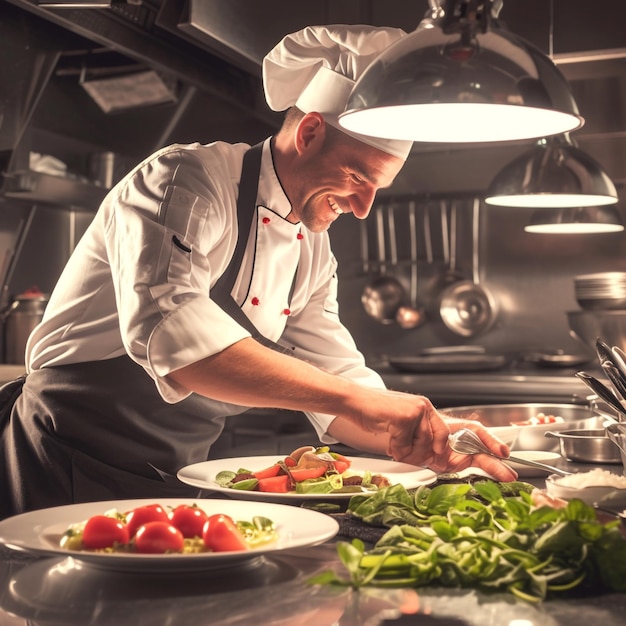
(576, 221)
(554, 173)
(460, 77)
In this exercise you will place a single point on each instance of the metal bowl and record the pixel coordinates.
(587, 326)
(586, 446)
(500, 416)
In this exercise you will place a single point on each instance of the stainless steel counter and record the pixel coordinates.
(272, 590)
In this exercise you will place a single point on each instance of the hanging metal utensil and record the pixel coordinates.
(384, 295)
(467, 308)
(411, 316)
(365, 250)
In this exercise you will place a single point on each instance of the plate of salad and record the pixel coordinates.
(308, 473)
(134, 535)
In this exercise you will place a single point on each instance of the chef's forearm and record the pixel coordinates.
(349, 434)
(249, 374)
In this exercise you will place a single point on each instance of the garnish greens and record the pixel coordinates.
(462, 535)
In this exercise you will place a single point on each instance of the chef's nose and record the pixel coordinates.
(362, 203)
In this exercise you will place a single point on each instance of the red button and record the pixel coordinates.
(287, 311)
(255, 301)
(266, 220)
(300, 236)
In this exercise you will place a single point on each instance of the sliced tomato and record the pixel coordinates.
(221, 534)
(144, 514)
(307, 473)
(268, 472)
(102, 531)
(342, 466)
(274, 484)
(158, 538)
(189, 520)
(289, 461)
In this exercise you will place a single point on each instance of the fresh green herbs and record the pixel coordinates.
(487, 535)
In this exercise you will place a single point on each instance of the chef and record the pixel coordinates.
(206, 285)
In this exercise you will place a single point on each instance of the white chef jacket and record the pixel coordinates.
(139, 280)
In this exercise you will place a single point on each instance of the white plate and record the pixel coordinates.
(203, 475)
(542, 456)
(40, 532)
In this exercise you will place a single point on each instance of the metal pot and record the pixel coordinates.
(586, 446)
(20, 318)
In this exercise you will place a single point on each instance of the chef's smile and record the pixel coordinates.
(334, 206)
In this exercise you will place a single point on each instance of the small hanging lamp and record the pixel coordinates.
(554, 173)
(576, 221)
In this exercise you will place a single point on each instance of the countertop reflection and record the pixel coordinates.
(269, 590)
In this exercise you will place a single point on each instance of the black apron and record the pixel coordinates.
(100, 430)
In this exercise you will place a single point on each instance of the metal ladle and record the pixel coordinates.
(466, 441)
(409, 315)
(466, 307)
(384, 295)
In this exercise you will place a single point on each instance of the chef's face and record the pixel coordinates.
(339, 175)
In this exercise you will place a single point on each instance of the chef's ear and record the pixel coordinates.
(310, 132)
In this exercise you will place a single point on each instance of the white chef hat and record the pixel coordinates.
(316, 68)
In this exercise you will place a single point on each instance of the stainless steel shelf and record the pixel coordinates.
(56, 191)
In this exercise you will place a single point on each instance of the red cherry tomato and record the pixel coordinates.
(222, 535)
(102, 531)
(158, 538)
(144, 514)
(189, 520)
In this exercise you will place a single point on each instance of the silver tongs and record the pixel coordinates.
(466, 441)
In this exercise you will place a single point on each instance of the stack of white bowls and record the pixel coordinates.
(605, 291)
(602, 298)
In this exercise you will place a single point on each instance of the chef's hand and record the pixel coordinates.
(418, 434)
(415, 432)
(452, 461)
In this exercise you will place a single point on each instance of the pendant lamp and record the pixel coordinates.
(575, 221)
(553, 173)
(461, 77)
